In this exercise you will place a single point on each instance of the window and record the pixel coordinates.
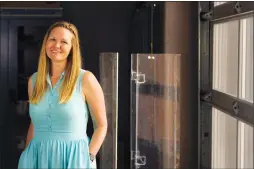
(225, 57)
(245, 146)
(246, 60)
(224, 140)
(226, 74)
(232, 140)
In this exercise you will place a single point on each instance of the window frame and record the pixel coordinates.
(209, 98)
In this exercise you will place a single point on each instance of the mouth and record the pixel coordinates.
(55, 52)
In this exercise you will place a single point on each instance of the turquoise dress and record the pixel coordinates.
(60, 140)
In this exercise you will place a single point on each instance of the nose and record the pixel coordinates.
(57, 44)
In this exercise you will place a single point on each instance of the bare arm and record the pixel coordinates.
(30, 132)
(94, 96)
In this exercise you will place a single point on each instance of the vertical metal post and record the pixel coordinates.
(205, 110)
(181, 36)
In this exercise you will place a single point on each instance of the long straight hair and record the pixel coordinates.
(73, 66)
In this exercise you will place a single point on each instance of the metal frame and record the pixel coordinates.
(232, 9)
(235, 107)
(205, 112)
(227, 103)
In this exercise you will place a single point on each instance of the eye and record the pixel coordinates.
(52, 39)
(64, 42)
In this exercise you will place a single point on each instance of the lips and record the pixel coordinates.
(55, 51)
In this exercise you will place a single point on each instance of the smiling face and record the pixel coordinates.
(59, 44)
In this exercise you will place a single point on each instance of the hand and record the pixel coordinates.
(92, 157)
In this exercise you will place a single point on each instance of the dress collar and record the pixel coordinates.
(59, 80)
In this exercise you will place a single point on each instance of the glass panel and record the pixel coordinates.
(224, 140)
(155, 117)
(225, 57)
(217, 3)
(245, 146)
(109, 83)
(246, 60)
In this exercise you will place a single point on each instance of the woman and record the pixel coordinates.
(60, 95)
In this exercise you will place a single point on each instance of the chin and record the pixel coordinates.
(57, 58)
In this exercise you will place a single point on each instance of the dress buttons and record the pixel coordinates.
(50, 104)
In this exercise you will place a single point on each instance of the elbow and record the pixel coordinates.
(103, 126)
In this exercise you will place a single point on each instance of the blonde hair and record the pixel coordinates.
(74, 64)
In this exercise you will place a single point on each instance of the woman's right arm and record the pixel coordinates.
(30, 132)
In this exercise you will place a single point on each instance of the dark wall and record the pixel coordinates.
(105, 27)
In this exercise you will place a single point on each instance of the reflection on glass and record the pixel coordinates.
(224, 140)
(246, 60)
(109, 83)
(155, 117)
(217, 3)
(245, 146)
(225, 57)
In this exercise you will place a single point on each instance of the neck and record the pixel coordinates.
(57, 68)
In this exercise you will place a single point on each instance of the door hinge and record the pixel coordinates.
(139, 78)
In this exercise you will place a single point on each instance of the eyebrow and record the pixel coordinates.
(55, 37)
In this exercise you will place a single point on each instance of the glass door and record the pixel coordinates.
(155, 111)
(109, 83)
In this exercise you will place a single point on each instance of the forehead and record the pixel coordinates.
(60, 32)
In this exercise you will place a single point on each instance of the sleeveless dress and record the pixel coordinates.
(60, 140)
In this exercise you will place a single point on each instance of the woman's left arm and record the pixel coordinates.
(95, 98)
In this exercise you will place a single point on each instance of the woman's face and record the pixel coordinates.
(59, 44)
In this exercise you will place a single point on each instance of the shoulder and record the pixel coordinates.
(90, 83)
(33, 77)
(31, 81)
(88, 77)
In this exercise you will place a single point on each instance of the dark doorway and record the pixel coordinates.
(22, 48)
